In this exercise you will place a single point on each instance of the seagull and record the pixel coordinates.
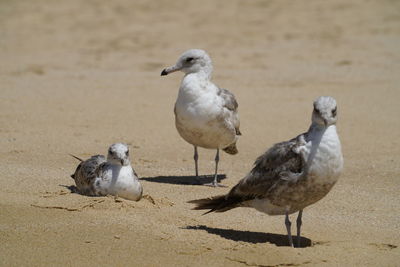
(290, 175)
(114, 176)
(205, 115)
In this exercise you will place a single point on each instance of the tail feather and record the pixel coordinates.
(76, 157)
(231, 149)
(79, 166)
(217, 203)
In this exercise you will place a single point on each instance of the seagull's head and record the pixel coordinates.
(192, 61)
(118, 154)
(325, 111)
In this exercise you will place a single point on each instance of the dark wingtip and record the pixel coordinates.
(199, 207)
(164, 72)
(205, 213)
(231, 149)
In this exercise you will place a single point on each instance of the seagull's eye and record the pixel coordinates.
(316, 110)
(110, 152)
(127, 153)
(334, 112)
(189, 59)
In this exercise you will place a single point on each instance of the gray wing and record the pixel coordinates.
(232, 105)
(86, 172)
(230, 100)
(272, 167)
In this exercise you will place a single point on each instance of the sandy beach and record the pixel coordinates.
(77, 76)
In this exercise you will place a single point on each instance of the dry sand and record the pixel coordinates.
(76, 76)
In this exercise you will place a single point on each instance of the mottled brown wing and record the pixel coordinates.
(272, 167)
(86, 172)
(269, 169)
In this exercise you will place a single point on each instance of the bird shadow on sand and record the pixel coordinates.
(252, 237)
(184, 180)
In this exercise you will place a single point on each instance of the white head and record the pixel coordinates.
(324, 113)
(118, 154)
(192, 61)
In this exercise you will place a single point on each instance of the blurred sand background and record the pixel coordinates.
(77, 76)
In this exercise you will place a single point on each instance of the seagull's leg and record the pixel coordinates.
(298, 223)
(216, 168)
(196, 157)
(288, 226)
(215, 182)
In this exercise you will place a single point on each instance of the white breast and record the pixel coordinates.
(197, 100)
(325, 159)
(119, 181)
(199, 114)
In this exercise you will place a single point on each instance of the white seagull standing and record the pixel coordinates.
(114, 176)
(205, 115)
(290, 175)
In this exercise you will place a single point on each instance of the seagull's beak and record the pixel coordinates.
(124, 162)
(169, 70)
(164, 72)
(325, 122)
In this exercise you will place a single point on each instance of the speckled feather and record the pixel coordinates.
(86, 173)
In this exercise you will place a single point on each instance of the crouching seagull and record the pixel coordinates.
(114, 176)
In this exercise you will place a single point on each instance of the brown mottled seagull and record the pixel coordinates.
(114, 176)
(205, 115)
(290, 175)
